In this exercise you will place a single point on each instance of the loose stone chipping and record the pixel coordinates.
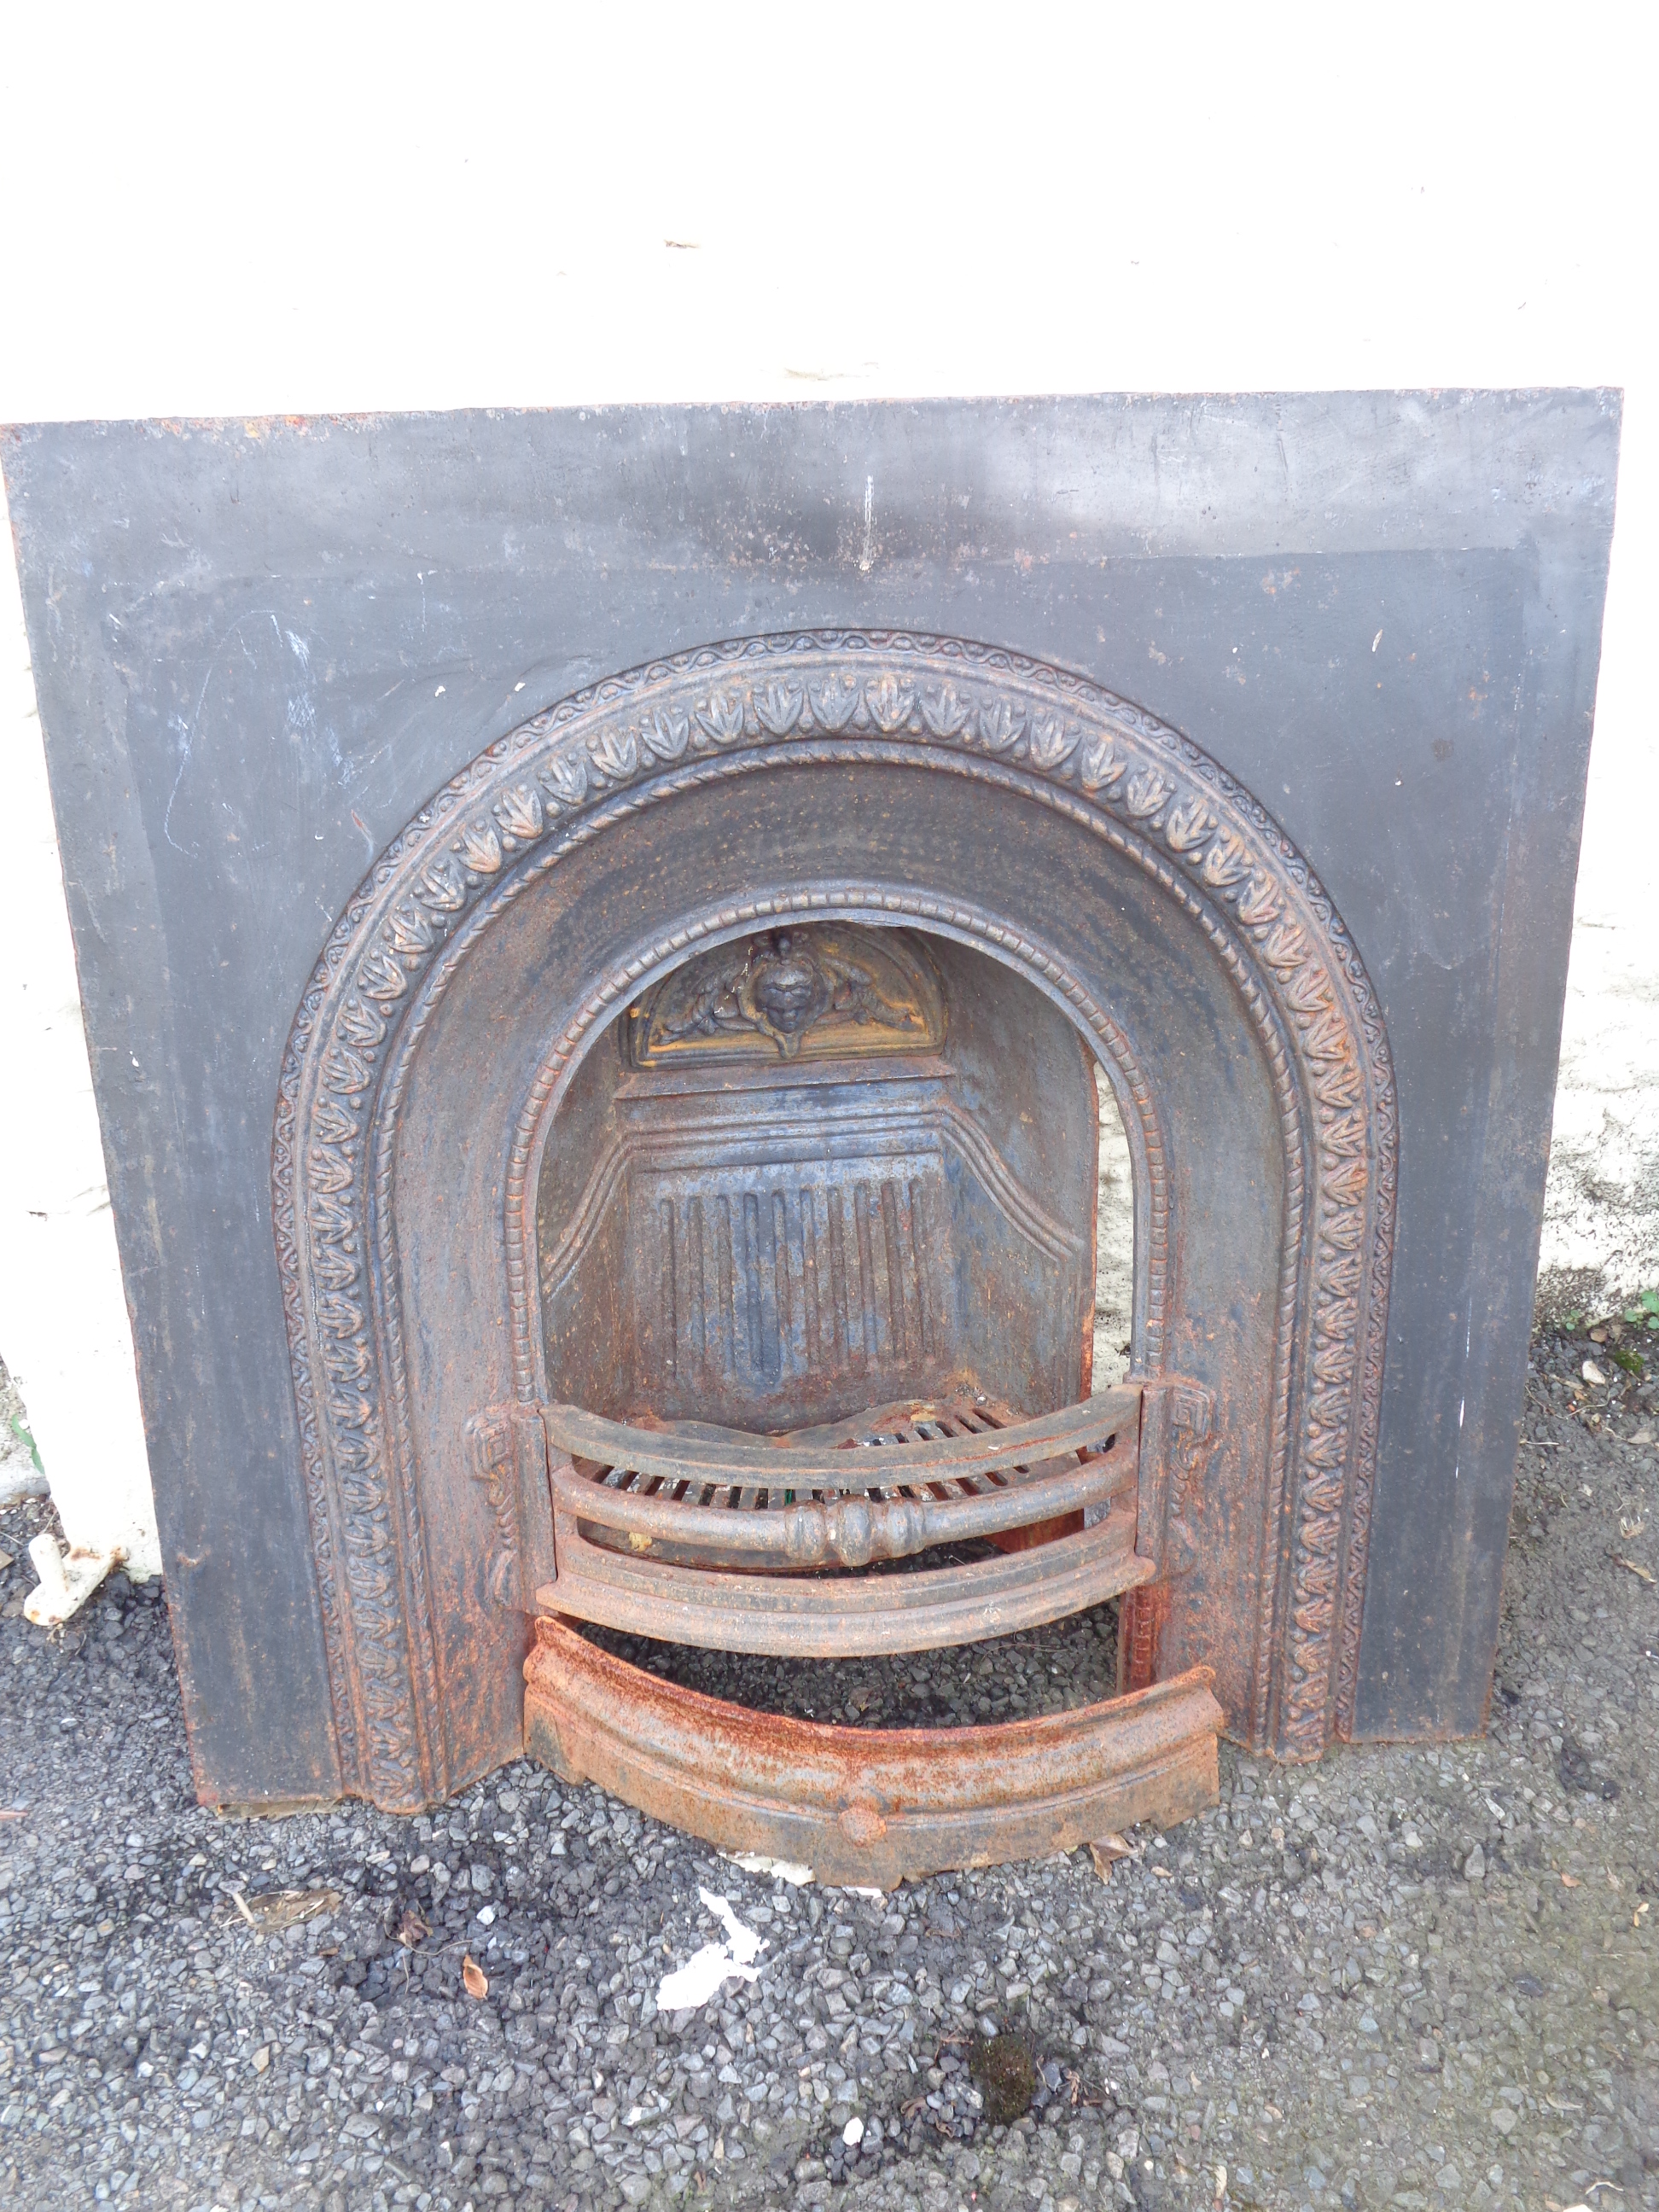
(1418, 1977)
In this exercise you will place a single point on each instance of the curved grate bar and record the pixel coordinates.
(820, 1502)
(817, 1460)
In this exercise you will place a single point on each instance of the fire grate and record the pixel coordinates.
(723, 1541)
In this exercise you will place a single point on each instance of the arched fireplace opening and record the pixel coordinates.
(761, 922)
(820, 1170)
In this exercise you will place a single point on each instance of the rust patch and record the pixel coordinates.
(869, 1807)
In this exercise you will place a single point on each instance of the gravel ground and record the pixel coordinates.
(1416, 1977)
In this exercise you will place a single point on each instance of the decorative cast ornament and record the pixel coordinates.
(747, 705)
(819, 993)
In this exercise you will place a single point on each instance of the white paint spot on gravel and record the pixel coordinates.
(787, 1871)
(706, 1971)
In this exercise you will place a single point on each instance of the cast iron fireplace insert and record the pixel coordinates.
(722, 1271)
(634, 768)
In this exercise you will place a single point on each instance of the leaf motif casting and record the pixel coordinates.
(328, 1171)
(334, 1267)
(565, 779)
(442, 886)
(520, 812)
(364, 1025)
(665, 735)
(481, 847)
(778, 708)
(943, 714)
(332, 1122)
(722, 716)
(337, 1313)
(1188, 824)
(410, 931)
(1101, 767)
(1226, 861)
(835, 702)
(1052, 741)
(890, 703)
(1259, 900)
(1000, 725)
(616, 755)
(380, 976)
(1145, 793)
(1286, 949)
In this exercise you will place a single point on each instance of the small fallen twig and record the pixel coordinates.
(272, 1910)
(1075, 2092)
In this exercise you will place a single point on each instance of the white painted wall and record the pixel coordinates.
(64, 1330)
(219, 214)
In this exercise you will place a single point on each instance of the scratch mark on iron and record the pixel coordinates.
(187, 735)
(1469, 1332)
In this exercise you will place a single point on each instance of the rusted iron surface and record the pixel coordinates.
(1139, 1626)
(740, 1545)
(825, 1529)
(813, 994)
(699, 1471)
(830, 1617)
(869, 1807)
(813, 1170)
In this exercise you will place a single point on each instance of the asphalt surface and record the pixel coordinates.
(1418, 1977)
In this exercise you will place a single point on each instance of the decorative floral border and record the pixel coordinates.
(725, 710)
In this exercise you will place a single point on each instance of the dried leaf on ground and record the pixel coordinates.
(411, 1929)
(1645, 1573)
(274, 1909)
(1106, 1850)
(477, 1982)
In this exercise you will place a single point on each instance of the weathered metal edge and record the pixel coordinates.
(785, 1616)
(869, 1807)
